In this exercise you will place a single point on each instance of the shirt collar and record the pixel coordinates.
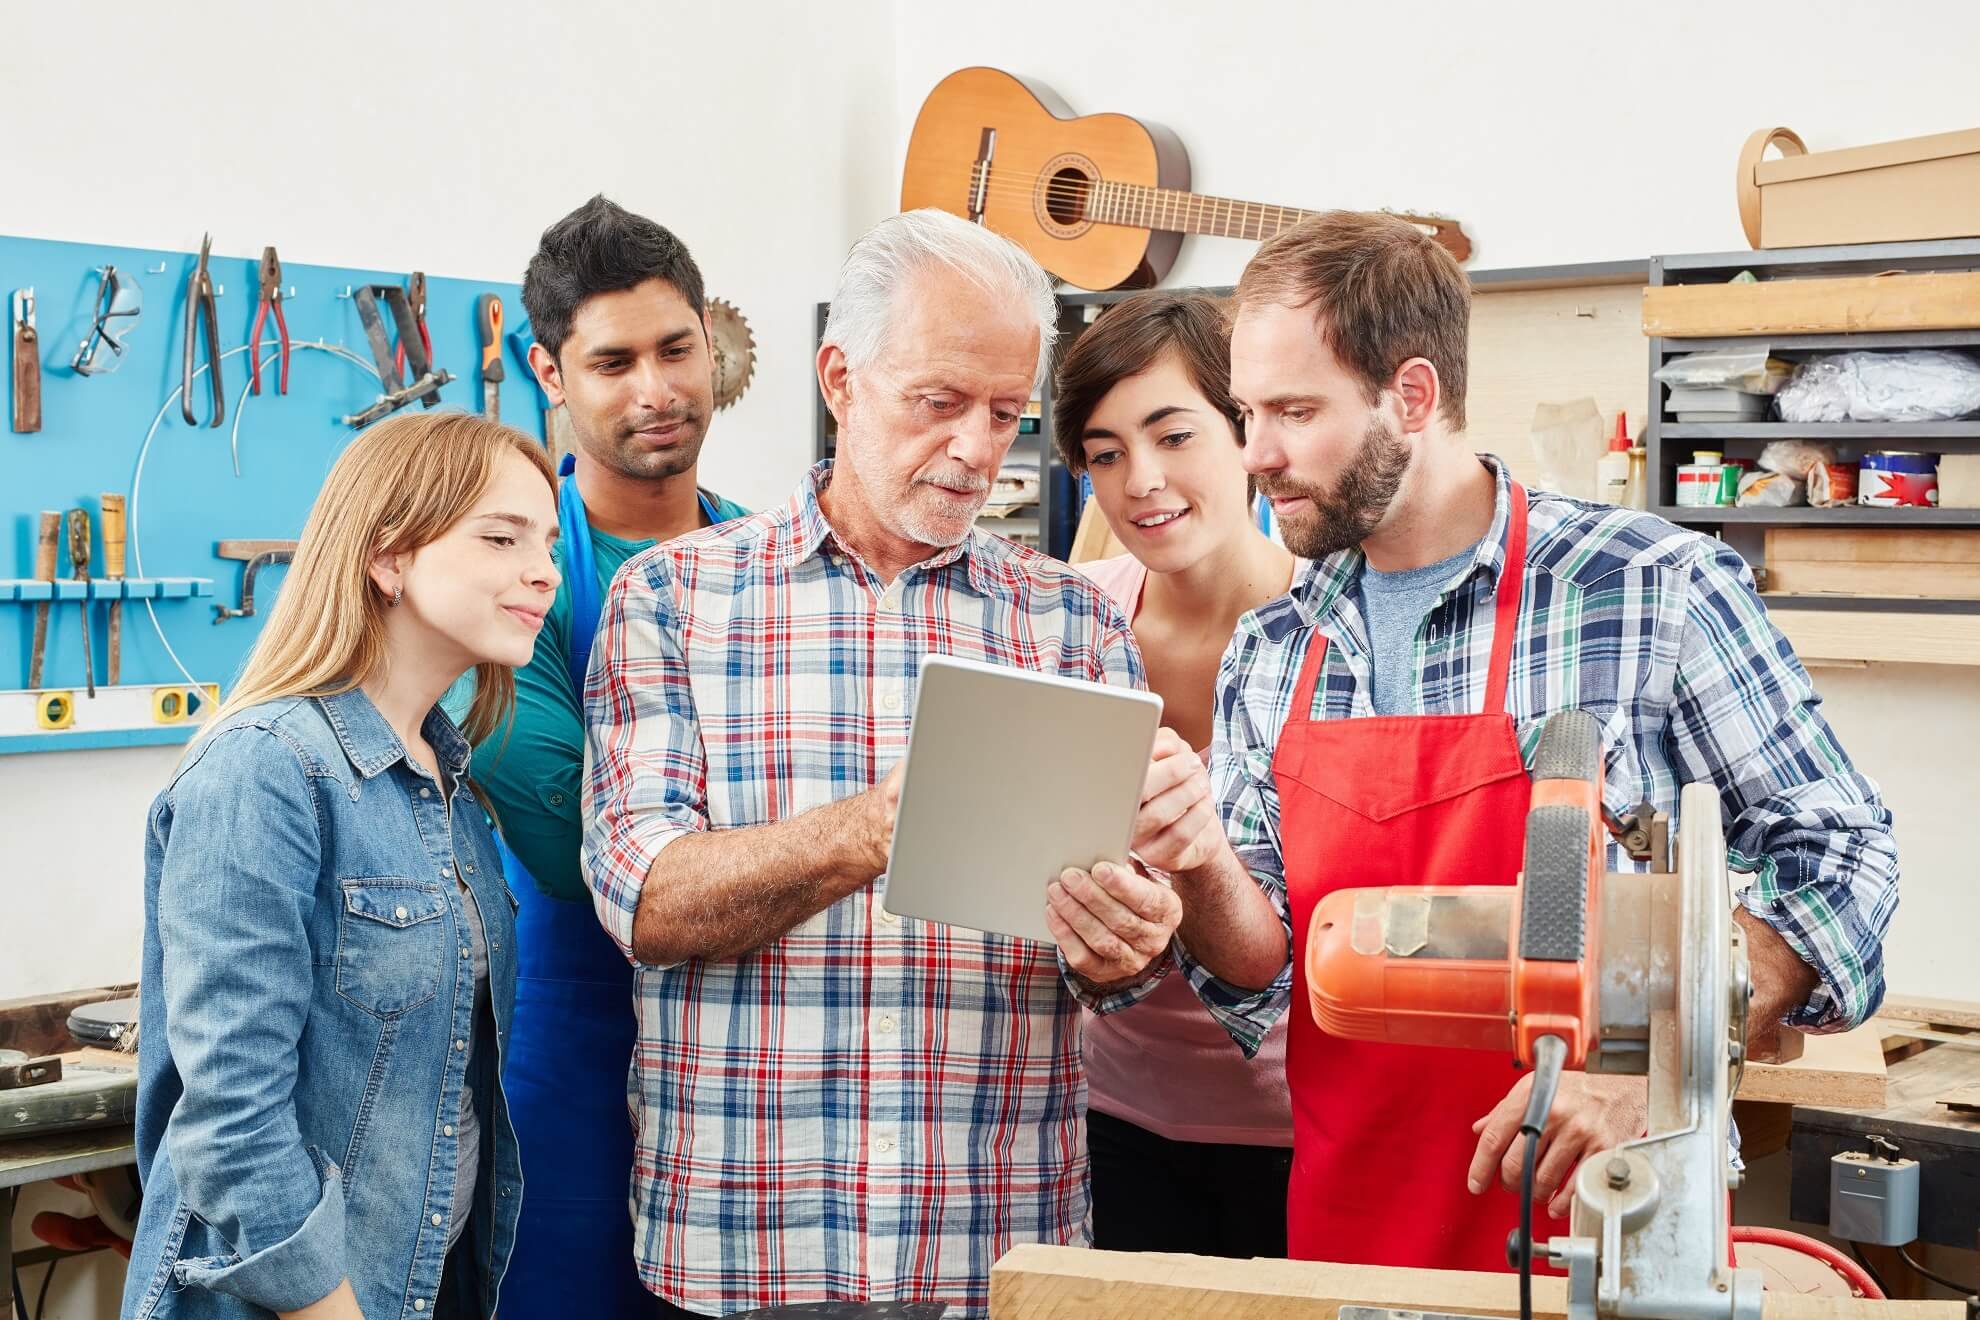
(1328, 580)
(373, 747)
(810, 531)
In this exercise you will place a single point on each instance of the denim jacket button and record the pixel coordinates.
(436, 1221)
(399, 912)
(447, 1129)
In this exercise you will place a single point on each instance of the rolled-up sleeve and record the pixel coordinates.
(233, 929)
(1813, 831)
(1247, 801)
(645, 767)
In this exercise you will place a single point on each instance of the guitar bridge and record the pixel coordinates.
(979, 189)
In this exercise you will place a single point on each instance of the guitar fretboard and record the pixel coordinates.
(1186, 212)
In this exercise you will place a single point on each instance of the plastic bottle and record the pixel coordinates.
(1612, 469)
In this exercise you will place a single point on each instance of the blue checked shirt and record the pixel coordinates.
(872, 1107)
(1656, 631)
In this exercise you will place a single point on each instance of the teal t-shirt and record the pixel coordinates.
(534, 771)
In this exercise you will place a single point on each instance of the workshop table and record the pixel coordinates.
(25, 1160)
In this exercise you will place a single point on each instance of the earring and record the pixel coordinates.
(398, 594)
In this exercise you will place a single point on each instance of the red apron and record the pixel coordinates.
(1382, 1133)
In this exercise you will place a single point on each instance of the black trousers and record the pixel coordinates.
(1154, 1194)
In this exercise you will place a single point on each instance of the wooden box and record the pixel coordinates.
(1876, 562)
(1914, 188)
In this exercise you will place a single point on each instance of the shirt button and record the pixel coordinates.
(447, 1130)
(419, 1303)
(436, 1221)
(399, 912)
(425, 792)
(889, 917)
(892, 701)
(886, 1025)
(883, 1144)
(470, 868)
(464, 951)
(556, 799)
(460, 1045)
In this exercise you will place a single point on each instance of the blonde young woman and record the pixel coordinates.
(1190, 1143)
(328, 952)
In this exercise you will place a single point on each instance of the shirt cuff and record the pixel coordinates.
(303, 1268)
(1102, 1001)
(1247, 1016)
(1847, 989)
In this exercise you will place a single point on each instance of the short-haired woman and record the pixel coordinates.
(1191, 1144)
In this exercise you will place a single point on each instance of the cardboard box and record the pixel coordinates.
(1959, 481)
(1937, 564)
(1914, 188)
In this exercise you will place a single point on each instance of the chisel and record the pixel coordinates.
(47, 547)
(27, 364)
(79, 557)
(113, 570)
(488, 316)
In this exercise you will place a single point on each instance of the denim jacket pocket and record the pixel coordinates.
(389, 943)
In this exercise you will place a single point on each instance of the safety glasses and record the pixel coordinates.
(118, 303)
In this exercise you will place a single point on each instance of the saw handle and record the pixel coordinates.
(113, 534)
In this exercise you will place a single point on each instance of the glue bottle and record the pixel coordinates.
(1612, 469)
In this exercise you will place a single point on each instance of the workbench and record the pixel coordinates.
(25, 1160)
(1945, 1142)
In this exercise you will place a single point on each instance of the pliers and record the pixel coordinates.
(416, 298)
(200, 307)
(271, 300)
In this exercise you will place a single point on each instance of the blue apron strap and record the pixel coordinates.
(580, 573)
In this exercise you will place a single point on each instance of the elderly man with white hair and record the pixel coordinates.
(834, 1103)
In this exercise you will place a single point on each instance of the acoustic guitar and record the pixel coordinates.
(1102, 201)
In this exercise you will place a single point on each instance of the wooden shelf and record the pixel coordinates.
(1894, 635)
(1852, 515)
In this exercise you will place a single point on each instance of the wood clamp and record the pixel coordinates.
(257, 555)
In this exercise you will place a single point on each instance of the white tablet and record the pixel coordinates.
(1011, 778)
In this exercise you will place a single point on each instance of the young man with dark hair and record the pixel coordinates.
(616, 305)
(1463, 611)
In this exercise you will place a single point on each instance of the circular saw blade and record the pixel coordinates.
(734, 350)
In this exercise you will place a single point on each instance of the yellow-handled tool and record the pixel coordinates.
(47, 550)
(488, 318)
(113, 569)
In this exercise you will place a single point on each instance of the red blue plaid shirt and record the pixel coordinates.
(871, 1108)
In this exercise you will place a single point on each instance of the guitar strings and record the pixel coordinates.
(1184, 204)
(1169, 199)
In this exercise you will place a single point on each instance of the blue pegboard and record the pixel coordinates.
(190, 497)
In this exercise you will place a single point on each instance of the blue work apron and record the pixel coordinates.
(570, 1051)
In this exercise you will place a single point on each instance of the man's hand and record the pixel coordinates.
(1590, 1114)
(1110, 924)
(877, 807)
(1177, 828)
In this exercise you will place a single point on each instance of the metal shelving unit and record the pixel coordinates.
(1669, 443)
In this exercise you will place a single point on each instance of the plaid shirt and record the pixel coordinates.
(1657, 632)
(870, 1108)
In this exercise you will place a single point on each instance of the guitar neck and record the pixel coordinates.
(1189, 213)
(1194, 213)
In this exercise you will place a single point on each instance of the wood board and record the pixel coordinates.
(1844, 1069)
(1041, 1282)
(1931, 301)
(1919, 639)
(1938, 1012)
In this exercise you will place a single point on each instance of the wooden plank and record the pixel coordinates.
(1933, 301)
(1938, 1012)
(1876, 545)
(1845, 1069)
(1920, 639)
(1802, 577)
(1040, 1282)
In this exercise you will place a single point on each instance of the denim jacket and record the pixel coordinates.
(307, 1017)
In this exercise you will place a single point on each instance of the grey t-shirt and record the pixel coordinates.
(1395, 605)
(467, 1126)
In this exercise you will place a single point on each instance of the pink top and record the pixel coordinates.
(1164, 1064)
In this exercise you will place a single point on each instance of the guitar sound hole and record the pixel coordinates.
(1065, 196)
